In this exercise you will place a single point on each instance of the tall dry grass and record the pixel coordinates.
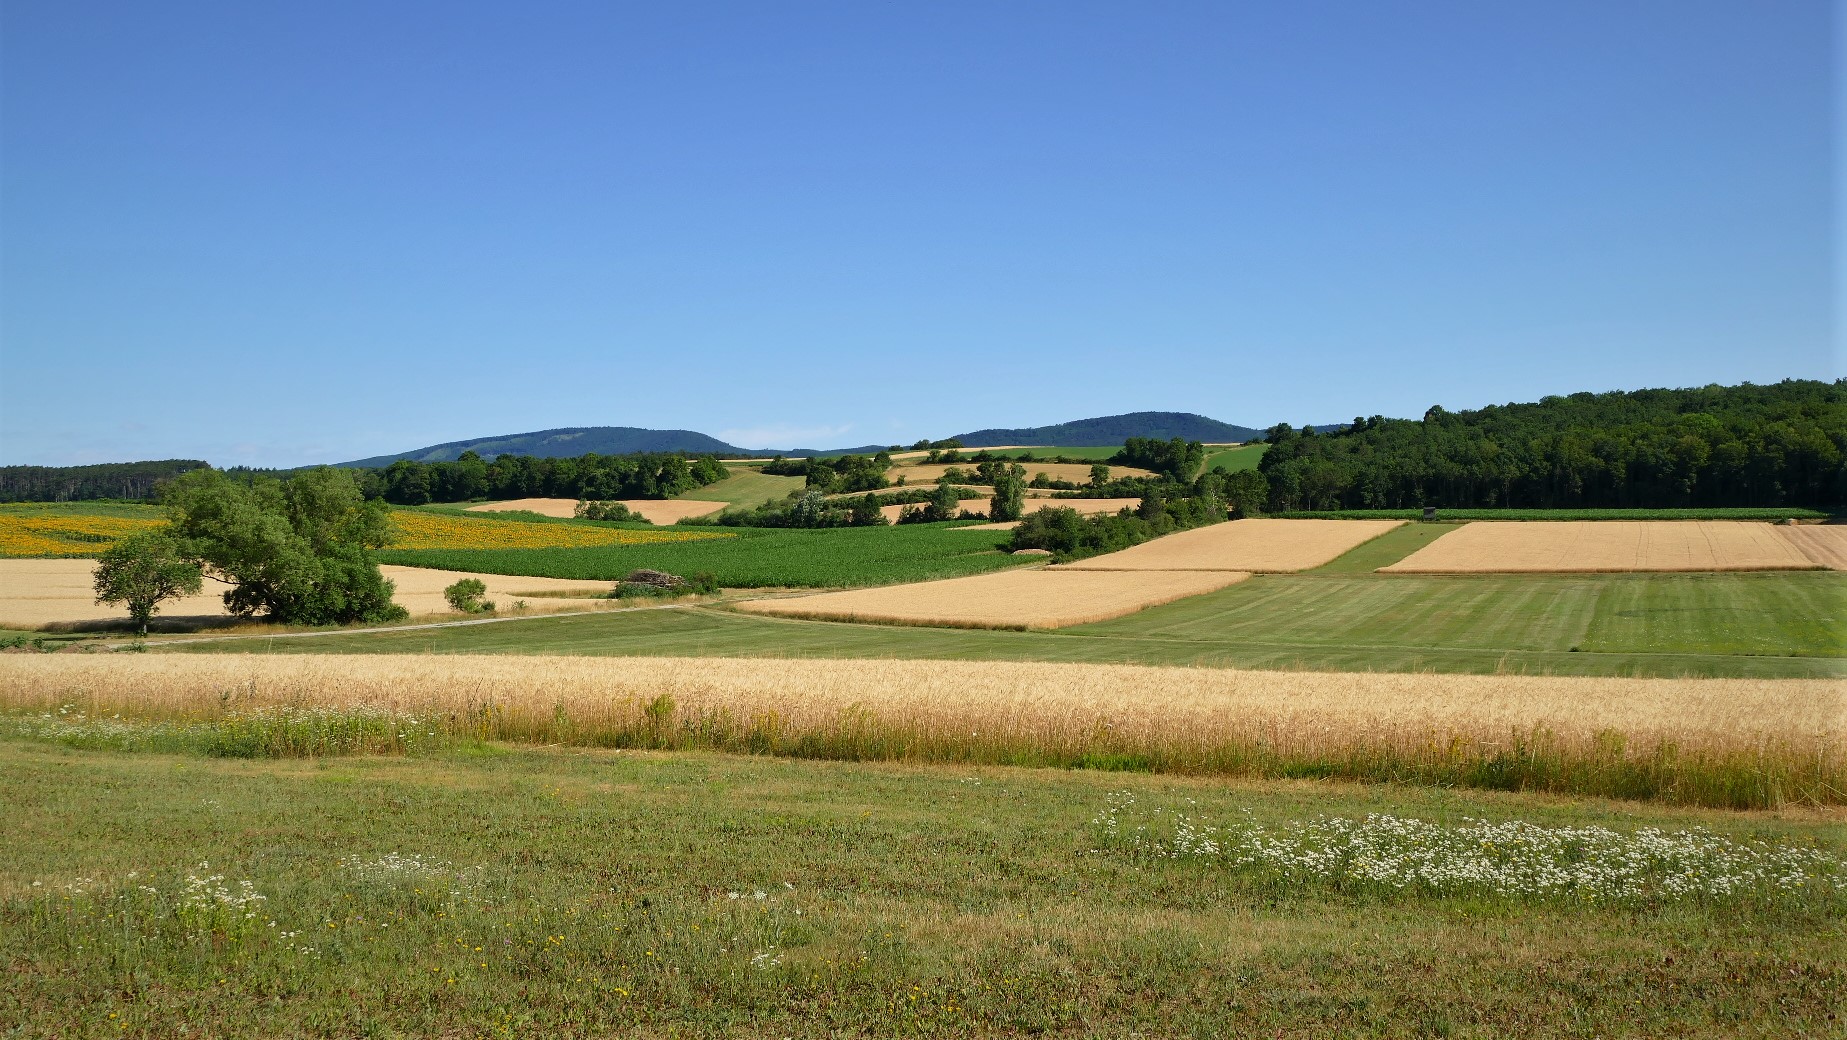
(1723, 742)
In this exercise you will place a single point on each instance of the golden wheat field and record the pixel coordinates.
(1264, 546)
(656, 511)
(1683, 735)
(36, 593)
(1593, 546)
(1035, 598)
(1824, 544)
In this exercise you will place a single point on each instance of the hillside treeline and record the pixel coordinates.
(1778, 445)
(88, 483)
(595, 477)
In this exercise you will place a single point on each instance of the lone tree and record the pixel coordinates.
(140, 571)
(299, 552)
(1009, 494)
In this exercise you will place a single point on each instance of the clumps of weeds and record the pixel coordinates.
(651, 584)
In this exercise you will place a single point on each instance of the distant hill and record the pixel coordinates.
(572, 441)
(562, 443)
(1114, 429)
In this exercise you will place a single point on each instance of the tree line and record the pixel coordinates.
(590, 477)
(131, 480)
(1779, 445)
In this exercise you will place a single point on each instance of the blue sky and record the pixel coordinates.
(278, 234)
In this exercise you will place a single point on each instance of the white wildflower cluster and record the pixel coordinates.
(209, 904)
(1390, 854)
(70, 724)
(429, 876)
(764, 960)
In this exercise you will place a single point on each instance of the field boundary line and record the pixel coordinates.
(423, 626)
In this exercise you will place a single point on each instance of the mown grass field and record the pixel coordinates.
(1752, 624)
(754, 558)
(746, 487)
(497, 892)
(1242, 457)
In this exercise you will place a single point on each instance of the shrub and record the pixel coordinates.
(465, 596)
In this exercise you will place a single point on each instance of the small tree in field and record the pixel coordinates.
(465, 596)
(1009, 494)
(142, 570)
(944, 503)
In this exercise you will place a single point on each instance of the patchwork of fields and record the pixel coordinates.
(619, 795)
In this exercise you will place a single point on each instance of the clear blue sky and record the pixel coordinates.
(286, 233)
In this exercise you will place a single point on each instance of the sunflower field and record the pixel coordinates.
(62, 533)
(80, 529)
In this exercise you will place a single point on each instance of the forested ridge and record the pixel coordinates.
(1748, 445)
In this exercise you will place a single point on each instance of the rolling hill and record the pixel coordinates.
(572, 441)
(622, 440)
(1114, 429)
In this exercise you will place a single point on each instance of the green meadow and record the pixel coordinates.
(494, 891)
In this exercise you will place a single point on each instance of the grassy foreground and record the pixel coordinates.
(1748, 625)
(491, 892)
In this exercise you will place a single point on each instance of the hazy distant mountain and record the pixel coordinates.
(1114, 429)
(565, 443)
(572, 441)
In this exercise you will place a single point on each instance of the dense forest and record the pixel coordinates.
(87, 483)
(598, 477)
(1778, 445)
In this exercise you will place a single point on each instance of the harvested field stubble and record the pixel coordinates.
(1024, 599)
(420, 530)
(1244, 545)
(1593, 546)
(1823, 544)
(38, 593)
(655, 511)
(1720, 742)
